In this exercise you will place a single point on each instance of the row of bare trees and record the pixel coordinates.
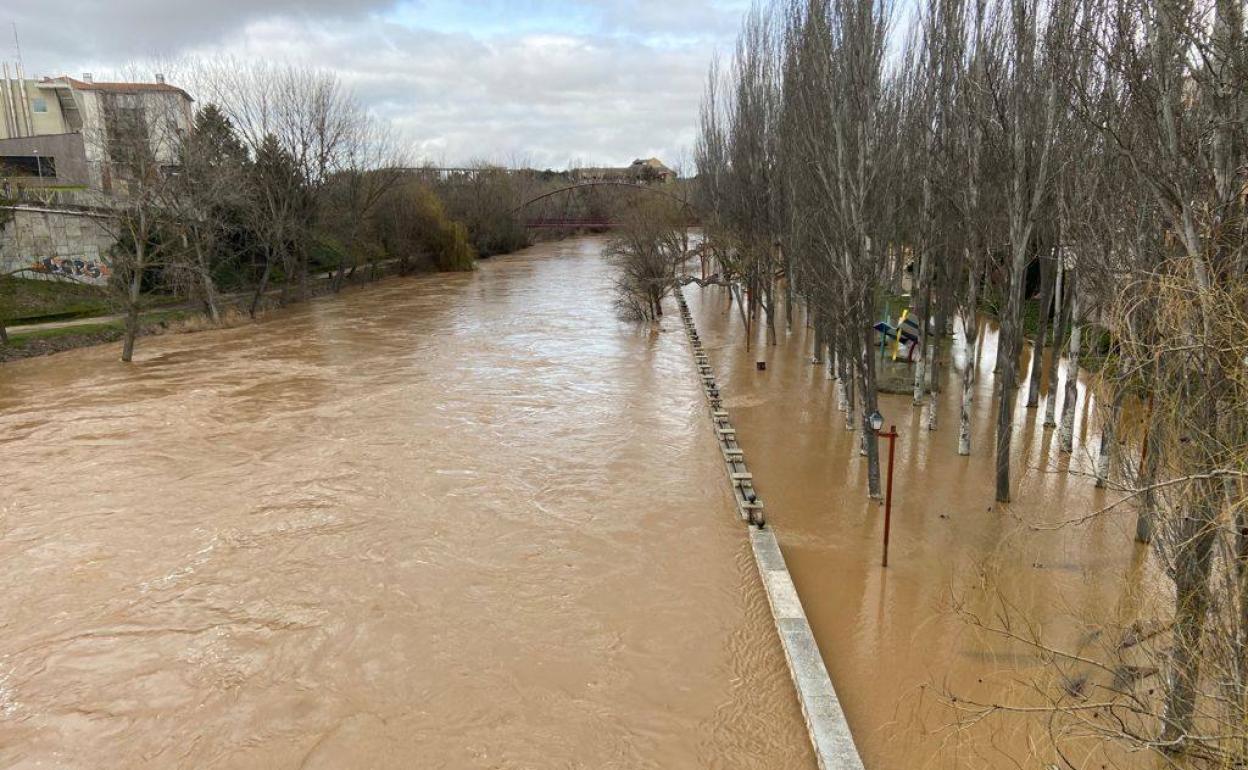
(1099, 147)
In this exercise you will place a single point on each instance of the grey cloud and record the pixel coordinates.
(549, 99)
(58, 33)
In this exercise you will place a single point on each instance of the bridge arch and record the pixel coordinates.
(567, 222)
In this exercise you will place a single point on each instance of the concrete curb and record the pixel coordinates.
(825, 721)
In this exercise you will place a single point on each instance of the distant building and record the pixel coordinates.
(652, 170)
(68, 148)
(641, 171)
(64, 132)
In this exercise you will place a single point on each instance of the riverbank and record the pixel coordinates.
(84, 328)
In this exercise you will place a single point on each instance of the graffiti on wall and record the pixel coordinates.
(72, 267)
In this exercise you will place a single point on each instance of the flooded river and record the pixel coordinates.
(475, 521)
(460, 521)
(914, 649)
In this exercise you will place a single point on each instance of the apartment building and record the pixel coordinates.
(67, 132)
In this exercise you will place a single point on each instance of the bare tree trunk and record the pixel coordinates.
(771, 312)
(1149, 466)
(1059, 342)
(850, 417)
(869, 406)
(817, 358)
(1001, 347)
(1192, 566)
(136, 287)
(210, 289)
(842, 383)
(1105, 455)
(1007, 347)
(341, 273)
(264, 283)
(1070, 402)
(1005, 431)
(933, 403)
(1037, 350)
(924, 292)
(132, 311)
(788, 288)
(1241, 574)
(747, 316)
(970, 326)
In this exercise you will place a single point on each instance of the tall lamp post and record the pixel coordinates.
(877, 422)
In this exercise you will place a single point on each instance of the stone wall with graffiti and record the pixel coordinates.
(53, 243)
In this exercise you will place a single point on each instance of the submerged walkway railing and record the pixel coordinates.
(829, 732)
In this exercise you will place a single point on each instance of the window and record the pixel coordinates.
(39, 104)
(27, 165)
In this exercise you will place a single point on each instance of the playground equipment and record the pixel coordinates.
(905, 332)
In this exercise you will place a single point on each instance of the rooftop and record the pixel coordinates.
(115, 87)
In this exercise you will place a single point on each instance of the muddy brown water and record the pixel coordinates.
(475, 521)
(914, 650)
(461, 521)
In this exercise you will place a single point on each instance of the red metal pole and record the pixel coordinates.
(888, 495)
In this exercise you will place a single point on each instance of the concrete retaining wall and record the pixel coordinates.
(54, 244)
(825, 722)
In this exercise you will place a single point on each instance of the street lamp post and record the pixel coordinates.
(877, 422)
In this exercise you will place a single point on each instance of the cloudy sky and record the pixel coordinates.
(544, 81)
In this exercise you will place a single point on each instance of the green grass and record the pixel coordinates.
(88, 330)
(29, 301)
(26, 300)
(81, 330)
(44, 341)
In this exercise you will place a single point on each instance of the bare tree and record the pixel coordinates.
(136, 143)
(647, 252)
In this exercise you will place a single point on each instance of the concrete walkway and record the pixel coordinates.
(825, 721)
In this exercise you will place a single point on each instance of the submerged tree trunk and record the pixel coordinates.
(817, 358)
(1193, 562)
(1149, 466)
(1070, 403)
(1007, 354)
(1005, 431)
(769, 306)
(132, 310)
(851, 418)
(1105, 455)
(869, 405)
(933, 404)
(1059, 342)
(210, 289)
(136, 287)
(970, 333)
(924, 292)
(1042, 333)
(842, 383)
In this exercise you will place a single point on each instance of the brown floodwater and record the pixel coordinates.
(459, 521)
(914, 650)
